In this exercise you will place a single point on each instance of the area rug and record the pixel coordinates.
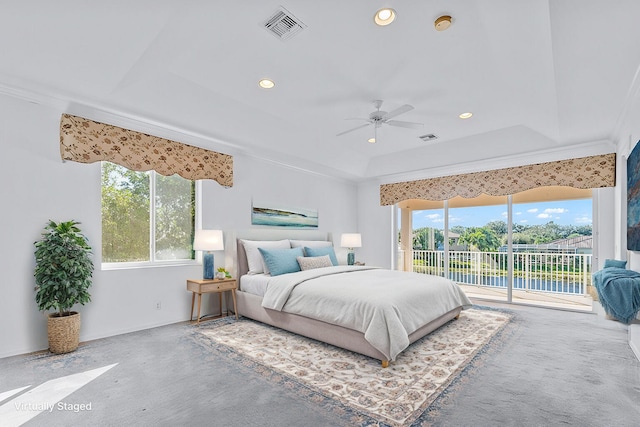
(356, 386)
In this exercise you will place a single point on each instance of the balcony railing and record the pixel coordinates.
(544, 272)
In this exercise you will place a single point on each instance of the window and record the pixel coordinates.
(548, 261)
(146, 217)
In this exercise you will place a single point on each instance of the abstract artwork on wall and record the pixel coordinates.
(272, 214)
(633, 199)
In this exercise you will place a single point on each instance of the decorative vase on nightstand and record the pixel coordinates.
(221, 275)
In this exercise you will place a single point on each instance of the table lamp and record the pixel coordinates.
(208, 241)
(350, 241)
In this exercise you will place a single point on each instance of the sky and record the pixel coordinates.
(566, 212)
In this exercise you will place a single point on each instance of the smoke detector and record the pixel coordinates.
(283, 24)
(442, 23)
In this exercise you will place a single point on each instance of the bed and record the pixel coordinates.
(358, 308)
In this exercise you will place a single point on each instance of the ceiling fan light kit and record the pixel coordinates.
(379, 118)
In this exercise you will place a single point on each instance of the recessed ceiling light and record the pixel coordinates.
(384, 16)
(442, 23)
(465, 115)
(371, 140)
(266, 83)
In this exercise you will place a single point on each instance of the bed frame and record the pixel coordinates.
(249, 305)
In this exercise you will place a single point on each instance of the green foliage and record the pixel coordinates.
(522, 234)
(126, 215)
(175, 217)
(519, 239)
(458, 229)
(63, 267)
(483, 239)
(498, 227)
(421, 238)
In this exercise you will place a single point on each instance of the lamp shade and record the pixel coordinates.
(208, 240)
(351, 240)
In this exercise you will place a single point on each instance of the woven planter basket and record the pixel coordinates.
(64, 332)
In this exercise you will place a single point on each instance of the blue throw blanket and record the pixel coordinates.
(619, 292)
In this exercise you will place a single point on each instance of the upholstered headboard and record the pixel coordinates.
(239, 256)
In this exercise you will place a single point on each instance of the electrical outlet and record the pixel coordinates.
(158, 305)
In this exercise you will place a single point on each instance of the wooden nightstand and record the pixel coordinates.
(200, 286)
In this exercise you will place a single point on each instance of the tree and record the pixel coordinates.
(458, 229)
(522, 239)
(421, 238)
(584, 230)
(498, 227)
(175, 216)
(125, 214)
(481, 238)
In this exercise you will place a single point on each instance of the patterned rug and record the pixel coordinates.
(354, 386)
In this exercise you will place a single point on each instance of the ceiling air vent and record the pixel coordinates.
(283, 24)
(428, 137)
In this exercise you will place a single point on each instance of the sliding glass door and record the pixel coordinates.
(478, 236)
(533, 247)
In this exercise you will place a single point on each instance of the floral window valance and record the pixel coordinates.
(586, 172)
(86, 141)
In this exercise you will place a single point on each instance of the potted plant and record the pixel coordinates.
(63, 276)
(222, 273)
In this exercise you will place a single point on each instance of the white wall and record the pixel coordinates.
(38, 186)
(604, 226)
(374, 223)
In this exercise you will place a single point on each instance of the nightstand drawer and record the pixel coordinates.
(217, 287)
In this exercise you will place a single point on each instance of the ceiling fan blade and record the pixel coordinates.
(400, 110)
(410, 125)
(355, 128)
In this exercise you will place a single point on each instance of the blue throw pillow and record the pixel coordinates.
(320, 251)
(615, 263)
(281, 261)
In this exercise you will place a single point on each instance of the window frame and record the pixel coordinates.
(152, 262)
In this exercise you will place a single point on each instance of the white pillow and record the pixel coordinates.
(310, 244)
(254, 257)
(311, 262)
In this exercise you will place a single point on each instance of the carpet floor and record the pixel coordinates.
(549, 368)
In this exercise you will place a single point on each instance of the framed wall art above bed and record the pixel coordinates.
(278, 215)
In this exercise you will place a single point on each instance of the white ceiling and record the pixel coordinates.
(538, 75)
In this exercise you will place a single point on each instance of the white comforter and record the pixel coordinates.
(385, 305)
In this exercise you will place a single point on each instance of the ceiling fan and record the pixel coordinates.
(378, 118)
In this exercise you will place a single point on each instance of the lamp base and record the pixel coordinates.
(351, 258)
(207, 265)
